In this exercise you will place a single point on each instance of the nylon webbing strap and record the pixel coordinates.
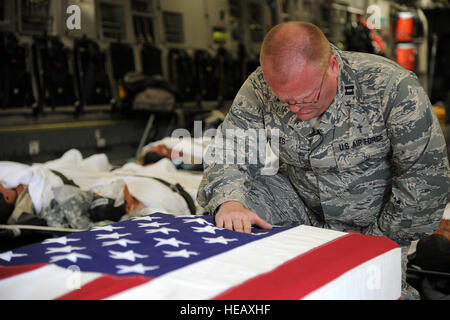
(176, 188)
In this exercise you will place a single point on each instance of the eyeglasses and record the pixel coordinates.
(296, 103)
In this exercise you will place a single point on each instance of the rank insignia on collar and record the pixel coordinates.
(349, 90)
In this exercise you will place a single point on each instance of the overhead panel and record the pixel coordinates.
(112, 20)
(144, 6)
(143, 15)
(173, 26)
(35, 17)
(256, 22)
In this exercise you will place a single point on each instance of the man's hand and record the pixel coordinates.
(233, 215)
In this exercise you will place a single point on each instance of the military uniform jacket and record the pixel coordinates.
(377, 161)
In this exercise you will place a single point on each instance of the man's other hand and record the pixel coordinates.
(232, 215)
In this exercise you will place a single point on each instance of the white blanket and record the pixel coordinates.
(94, 173)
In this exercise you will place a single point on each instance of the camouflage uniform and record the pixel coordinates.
(376, 163)
(69, 208)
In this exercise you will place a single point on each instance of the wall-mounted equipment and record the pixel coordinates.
(112, 21)
(173, 26)
(34, 17)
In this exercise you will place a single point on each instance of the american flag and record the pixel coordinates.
(162, 256)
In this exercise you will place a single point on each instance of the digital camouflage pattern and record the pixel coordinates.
(69, 208)
(376, 163)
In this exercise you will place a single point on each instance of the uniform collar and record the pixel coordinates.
(348, 88)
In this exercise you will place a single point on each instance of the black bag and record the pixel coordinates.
(102, 209)
(428, 268)
(56, 79)
(15, 80)
(92, 78)
(205, 81)
(135, 83)
(152, 95)
(122, 59)
(182, 74)
(226, 71)
(151, 60)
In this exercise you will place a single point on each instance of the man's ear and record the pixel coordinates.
(334, 65)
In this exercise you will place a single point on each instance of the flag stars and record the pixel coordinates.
(171, 242)
(120, 242)
(74, 256)
(127, 255)
(137, 268)
(146, 218)
(152, 224)
(162, 230)
(61, 240)
(208, 229)
(7, 256)
(181, 253)
(111, 236)
(66, 249)
(259, 233)
(220, 239)
(108, 228)
(197, 220)
(129, 250)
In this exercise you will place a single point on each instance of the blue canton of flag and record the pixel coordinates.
(151, 246)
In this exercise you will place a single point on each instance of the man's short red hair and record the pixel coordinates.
(295, 42)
